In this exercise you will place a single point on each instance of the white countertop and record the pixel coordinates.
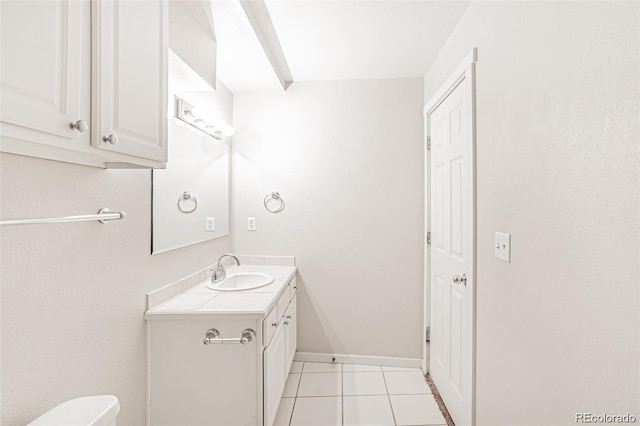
(200, 301)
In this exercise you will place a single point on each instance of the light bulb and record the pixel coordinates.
(227, 130)
(196, 112)
(187, 115)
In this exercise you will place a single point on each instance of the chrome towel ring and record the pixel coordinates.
(186, 195)
(275, 196)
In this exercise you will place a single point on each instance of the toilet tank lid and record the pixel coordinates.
(96, 410)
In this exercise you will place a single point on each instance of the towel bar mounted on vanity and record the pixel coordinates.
(213, 336)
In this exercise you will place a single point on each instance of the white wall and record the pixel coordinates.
(558, 167)
(347, 158)
(191, 37)
(73, 294)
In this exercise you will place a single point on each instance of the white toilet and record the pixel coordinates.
(99, 410)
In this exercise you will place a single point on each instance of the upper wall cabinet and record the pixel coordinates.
(85, 82)
(130, 40)
(45, 78)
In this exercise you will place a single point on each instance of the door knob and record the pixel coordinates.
(457, 279)
(79, 125)
(112, 139)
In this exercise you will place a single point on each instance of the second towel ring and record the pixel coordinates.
(186, 195)
(275, 196)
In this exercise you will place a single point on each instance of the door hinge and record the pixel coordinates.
(428, 335)
(429, 238)
(428, 142)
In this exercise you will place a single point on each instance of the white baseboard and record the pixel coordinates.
(359, 359)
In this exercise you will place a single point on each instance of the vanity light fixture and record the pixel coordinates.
(190, 115)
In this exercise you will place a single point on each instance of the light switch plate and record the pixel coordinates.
(503, 246)
(211, 224)
(251, 223)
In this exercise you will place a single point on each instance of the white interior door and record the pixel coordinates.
(451, 219)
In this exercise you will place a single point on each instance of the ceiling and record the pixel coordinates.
(330, 39)
(242, 64)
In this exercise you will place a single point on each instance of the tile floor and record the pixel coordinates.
(348, 394)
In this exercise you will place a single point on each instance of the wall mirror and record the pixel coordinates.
(190, 198)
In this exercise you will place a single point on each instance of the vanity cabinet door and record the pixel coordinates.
(274, 374)
(129, 77)
(45, 75)
(291, 321)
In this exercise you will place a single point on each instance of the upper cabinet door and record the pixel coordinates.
(45, 74)
(129, 77)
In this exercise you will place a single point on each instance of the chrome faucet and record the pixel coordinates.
(219, 273)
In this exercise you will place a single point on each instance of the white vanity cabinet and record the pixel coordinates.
(191, 383)
(278, 356)
(274, 374)
(221, 384)
(85, 81)
(291, 334)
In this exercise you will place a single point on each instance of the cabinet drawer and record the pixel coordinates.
(283, 302)
(293, 287)
(270, 325)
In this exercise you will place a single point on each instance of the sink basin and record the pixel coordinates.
(242, 281)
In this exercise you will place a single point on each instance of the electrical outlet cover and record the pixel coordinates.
(211, 224)
(503, 246)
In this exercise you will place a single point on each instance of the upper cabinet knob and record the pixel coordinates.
(79, 125)
(112, 139)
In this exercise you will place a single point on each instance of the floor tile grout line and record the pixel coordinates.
(395, 422)
(295, 398)
(292, 408)
(317, 396)
(370, 394)
(298, 387)
(411, 393)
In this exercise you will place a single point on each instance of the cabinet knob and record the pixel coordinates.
(112, 139)
(79, 125)
(288, 316)
(274, 324)
(286, 322)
